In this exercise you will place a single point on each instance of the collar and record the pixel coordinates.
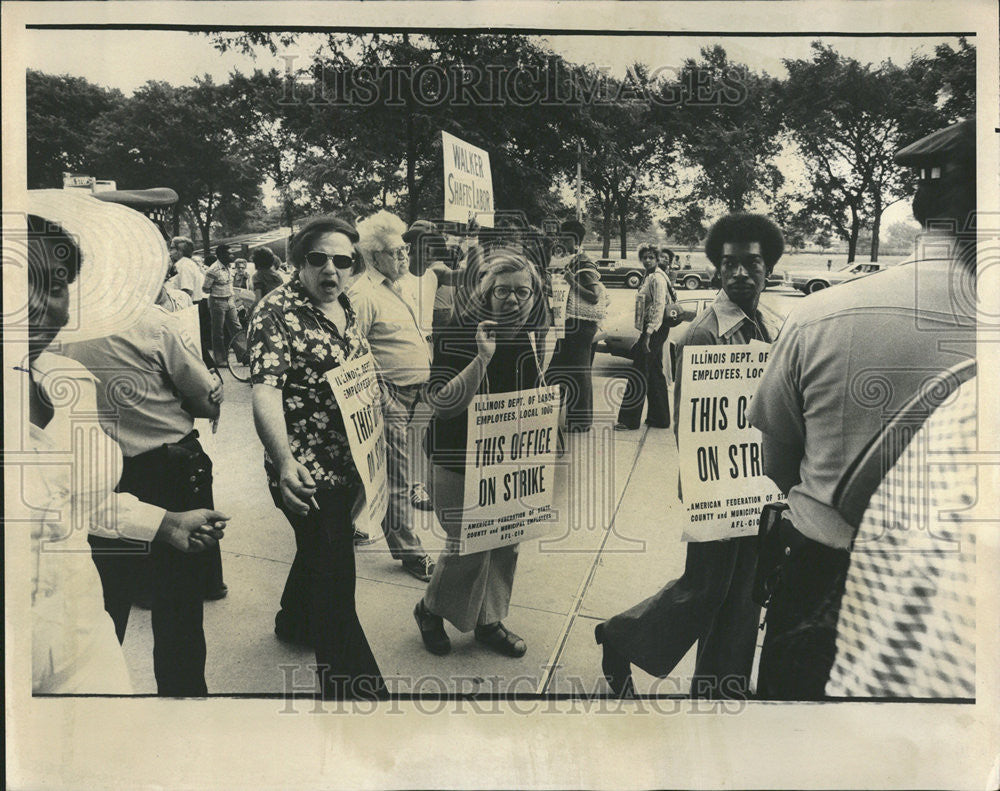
(728, 314)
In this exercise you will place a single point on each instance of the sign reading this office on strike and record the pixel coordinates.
(357, 392)
(468, 182)
(560, 296)
(509, 468)
(722, 470)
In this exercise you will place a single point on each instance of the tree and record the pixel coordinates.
(727, 127)
(848, 139)
(901, 235)
(61, 111)
(687, 227)
(955, 72)
(180, 138)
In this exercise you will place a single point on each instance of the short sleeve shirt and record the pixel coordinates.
(292, 346)
(188, 278)
(266, 280)
(219, 281)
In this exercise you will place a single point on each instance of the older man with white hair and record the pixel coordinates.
(387, 300)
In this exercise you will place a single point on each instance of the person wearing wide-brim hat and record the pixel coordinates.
(80, 286)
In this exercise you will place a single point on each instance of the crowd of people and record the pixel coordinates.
(446, 320)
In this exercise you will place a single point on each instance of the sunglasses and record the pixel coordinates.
(317, 259)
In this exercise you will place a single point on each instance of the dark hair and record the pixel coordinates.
(223, 250)
(263, 258)
(648, 248)
(300, 243)
(668, 253)
(575, 229)
(65, 246)
(746, 228)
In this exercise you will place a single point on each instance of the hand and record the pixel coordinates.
(644, 343)
(297, 487)
(486, 339)
(192, 531)
(215, 394)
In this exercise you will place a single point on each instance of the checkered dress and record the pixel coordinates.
(907, 619)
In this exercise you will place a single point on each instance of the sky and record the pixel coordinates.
(127, 59)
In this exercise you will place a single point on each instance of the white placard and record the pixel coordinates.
(560, 295)
(721, 464)
(468, 182)
(509, 468)
(357, 392)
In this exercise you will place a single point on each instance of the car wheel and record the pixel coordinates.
(692, 283)
(815, 285)
(633, 280)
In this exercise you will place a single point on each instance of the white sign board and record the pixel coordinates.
(509, 468)
(357, 392)
(722, 469)
(468, 182)
(560, 294)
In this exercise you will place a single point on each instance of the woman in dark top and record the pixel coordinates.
(487, 348)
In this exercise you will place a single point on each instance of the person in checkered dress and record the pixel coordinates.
(907, 622)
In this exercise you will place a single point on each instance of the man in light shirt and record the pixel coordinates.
(388, 304)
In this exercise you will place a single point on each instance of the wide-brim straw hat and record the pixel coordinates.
(123, 261)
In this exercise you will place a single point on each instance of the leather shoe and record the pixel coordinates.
(431, 630)
(615, 666)
(501, 639)
(219, 593)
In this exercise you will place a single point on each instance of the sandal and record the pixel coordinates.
(501, 639)
(431, 630)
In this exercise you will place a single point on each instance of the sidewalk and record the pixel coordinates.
(614, 544)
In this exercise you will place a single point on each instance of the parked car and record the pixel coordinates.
(810, 281)
(693, 279)
(620, 272)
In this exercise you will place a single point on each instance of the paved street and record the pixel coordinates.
(615, 542)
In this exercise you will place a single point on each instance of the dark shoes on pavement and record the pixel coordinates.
(422, 567)
(219, 593)
(361, 537)
(287, 634)
(501, 639)
(431, 630)
(419, 498)
(615, 666)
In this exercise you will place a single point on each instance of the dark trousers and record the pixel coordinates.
(709, 604)
(317, 604)
(177, 578)
(801, 638)
(648, 383)
(570, 368)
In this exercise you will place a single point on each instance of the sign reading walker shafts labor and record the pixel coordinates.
(357, 392)
(509, 468)
(721, 465)
(468, 182)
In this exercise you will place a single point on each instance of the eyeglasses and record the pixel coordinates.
(399, 253)
(523, 293)
(317, 259)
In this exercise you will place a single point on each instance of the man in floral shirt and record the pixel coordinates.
(300, 331)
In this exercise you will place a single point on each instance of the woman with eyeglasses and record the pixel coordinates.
(487, 348)
(298, 332)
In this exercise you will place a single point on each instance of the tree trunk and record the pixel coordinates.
(876, 225)
(606, 234)
(852, 241)
(622, 234)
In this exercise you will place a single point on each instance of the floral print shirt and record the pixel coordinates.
(292, 346)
